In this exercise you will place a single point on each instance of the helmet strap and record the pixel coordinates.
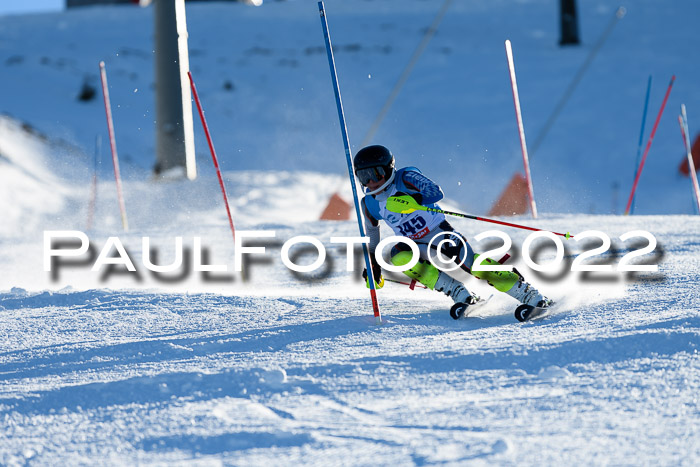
(384, 185)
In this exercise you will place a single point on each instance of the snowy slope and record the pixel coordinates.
(272, 368)
(281, 371)
(264, 81)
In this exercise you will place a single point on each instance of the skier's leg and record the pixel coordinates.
(527, 294)
(503, 281)
(428, 275)
(512, 283)
(509, 282)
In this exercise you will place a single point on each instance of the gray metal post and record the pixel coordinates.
(174, 125)
(568, 19)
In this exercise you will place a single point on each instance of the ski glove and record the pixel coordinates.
(402, 203)
(417, 196)
(377, 273)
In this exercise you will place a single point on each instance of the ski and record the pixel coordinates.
(528, 312)
(463, 310)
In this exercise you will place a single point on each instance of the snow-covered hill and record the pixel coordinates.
(264, 80)
(267, 367)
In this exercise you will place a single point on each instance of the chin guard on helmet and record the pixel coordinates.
(383, 186)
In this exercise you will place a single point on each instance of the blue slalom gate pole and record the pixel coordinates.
(641, 138)
(346, 143)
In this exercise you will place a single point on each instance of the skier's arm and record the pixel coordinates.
(421, 188)
(371, 228)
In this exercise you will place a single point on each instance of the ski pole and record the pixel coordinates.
(406, 204)
(412, 285)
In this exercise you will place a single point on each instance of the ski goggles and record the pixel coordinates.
(371, 174)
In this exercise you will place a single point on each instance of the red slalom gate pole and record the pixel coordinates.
(646, 150)
(521, 128)
(113, 145)
(213, 153)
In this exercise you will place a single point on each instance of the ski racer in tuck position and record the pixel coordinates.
(375, 169)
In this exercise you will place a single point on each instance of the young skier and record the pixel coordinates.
(374, 168)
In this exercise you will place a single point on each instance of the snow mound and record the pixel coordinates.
(29, 189)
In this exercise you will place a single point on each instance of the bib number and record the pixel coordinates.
(413, 227)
